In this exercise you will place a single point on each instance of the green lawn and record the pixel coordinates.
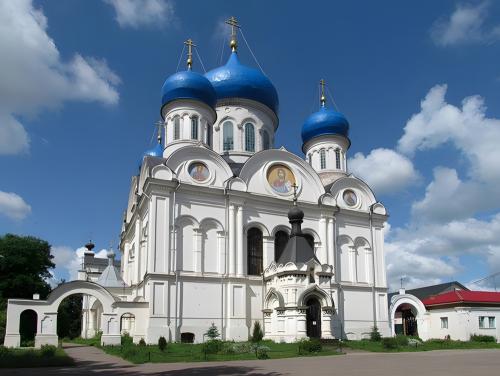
(183, 352)
(424, 346)
(21, 358)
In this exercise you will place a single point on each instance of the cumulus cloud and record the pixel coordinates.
(33, 77)
(68, 261)
(385, 170)
(464, 25)
(13, 206)
(458, 213)
(142, 13)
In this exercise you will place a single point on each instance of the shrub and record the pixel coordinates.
(390, 343)
(162, 343)
(126, 340)
(4, 352)
(261, 352)
(142, 342)
(401, 340)
(310, 346)
(212, 346)
(375, 335)
(48, 351)
(212, 332)
(482, 338)
(257, 334)
(130, 352)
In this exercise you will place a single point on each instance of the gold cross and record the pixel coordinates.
(322, 98)
(190, 45)
(233, 22)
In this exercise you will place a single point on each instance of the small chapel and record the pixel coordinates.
(223, 227)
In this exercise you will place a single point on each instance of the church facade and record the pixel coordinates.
(223, 227)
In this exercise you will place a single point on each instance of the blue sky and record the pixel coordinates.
(80, 91)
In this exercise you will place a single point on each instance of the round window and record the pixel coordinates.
(350, 197)
(198, 171)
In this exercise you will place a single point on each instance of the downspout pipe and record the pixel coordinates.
(373, 269)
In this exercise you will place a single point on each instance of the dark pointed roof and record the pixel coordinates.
(298, 249)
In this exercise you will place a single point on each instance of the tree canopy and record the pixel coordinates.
(25, 264)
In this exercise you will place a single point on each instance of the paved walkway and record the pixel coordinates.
(91, 361)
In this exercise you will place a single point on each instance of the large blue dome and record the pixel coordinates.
(235, 80)
(188, 85)
(325, 122)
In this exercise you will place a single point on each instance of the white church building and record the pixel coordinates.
(223, 227)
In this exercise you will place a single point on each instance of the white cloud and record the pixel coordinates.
(385, 170)
(68, 261)
(13, 206)
(33, 77)
(13, 136)
(142, 13)
(464, 25)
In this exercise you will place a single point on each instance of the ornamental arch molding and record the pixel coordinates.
(315, 291)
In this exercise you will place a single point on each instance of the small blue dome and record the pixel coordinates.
(156, 151)
(188, 85)
(235, 80)
(325, 122)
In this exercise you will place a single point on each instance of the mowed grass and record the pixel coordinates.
(22, 358)
(432, 344)
(183, 352)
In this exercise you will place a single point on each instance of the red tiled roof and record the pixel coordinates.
(463, 296)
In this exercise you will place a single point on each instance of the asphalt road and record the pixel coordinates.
(91, 361)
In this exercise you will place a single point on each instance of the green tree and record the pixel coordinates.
(25, 264)
(212, 332)
(257, 334)
(69, 317)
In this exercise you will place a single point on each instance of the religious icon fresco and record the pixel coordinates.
(280, 178)
(350, 197)
(198, 171)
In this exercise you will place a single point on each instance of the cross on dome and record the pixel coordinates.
(233, 22)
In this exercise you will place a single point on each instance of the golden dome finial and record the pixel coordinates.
(233, 22)
(322, 98)
(190, 45)
(159, 124)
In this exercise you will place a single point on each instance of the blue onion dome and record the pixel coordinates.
(325, 122)
(188, 85)
(156, 151)
(235, 80)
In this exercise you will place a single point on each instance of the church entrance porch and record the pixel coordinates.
(405, 321)
(313, 318)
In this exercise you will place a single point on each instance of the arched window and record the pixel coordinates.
(265, 140)
(227, 136)
(310, 240)
(309, 159)
(127, 323)
(249, 137)
(194, 127)
(337, 159)
(322, 155)
(280, 240)
(209, 135)
(177, 127)
(254, 251)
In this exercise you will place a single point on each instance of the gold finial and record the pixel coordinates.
(322, 99)
(190, 45)
(159, 124)
(234, 25)
(294, 186)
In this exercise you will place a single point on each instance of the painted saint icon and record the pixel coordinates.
(350, 197)
(198, 171)
(280, 178)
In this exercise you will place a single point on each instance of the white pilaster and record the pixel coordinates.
(330, 245)
(232, 241)
(239, 241)
(322, 256)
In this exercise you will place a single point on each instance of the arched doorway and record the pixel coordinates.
(405, 320)
(69, 317)
(27, 327)
(127, 324)
(313, 317)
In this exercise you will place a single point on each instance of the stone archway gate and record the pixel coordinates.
(46, 311)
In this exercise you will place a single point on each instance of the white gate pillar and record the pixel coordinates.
(110, 327)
